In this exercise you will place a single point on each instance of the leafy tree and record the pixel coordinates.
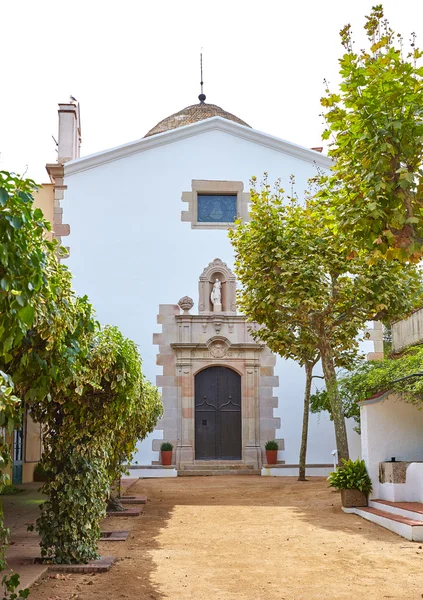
(82, 382)
(293, 340)
(375, 126)
(319, 401)
(23, 255)
(85, 385)
(296, 273)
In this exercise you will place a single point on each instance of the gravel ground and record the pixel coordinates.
(247, 537)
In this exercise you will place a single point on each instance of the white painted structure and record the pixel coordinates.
(131, 250)
(393, 428)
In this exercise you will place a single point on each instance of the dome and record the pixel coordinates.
(193, 114)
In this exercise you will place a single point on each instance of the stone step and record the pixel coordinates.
(133, 500)
(128, 512)
(214, 472)
(409, 529)
(216, 467)
(410, 510)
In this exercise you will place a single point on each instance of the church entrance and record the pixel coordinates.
(217, 414)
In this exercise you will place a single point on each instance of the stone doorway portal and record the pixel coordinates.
(218, 414)
(206, 358)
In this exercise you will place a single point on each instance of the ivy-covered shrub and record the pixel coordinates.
(24, 252)
(69, 524)
(84, 383)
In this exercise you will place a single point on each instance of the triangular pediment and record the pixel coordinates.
(212, 124)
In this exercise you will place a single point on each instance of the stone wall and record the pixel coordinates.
(408, 332)
(189, 343)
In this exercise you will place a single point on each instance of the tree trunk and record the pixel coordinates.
(334, 397)
(113, 504)
(303, 451)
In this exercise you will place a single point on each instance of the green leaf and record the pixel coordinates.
(4, 196)
(26, 314)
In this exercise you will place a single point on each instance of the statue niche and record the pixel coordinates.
(216, 295)
(217, 289)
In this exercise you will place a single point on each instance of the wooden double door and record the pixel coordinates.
(218, 414)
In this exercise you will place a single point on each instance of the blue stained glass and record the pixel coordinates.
(216, 209)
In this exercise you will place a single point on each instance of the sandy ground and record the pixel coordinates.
(247, 537)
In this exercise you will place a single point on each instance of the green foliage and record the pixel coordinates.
(271, 445)
(10, 417)
(166, 447)
(10, 583)
(371, 377)
(39, 473)
(69, 524)
(319, 401)
(23, 257)
(23, 254)
(90, 429)
(351, 476)
(82, 382)
(374, 124)
(10, 490)
(305, 289)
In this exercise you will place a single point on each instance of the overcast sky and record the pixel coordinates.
(132, 63)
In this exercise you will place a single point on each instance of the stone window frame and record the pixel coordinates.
(210, 187)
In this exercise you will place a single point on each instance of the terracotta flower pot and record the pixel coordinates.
(166, 457)
(352, 498)
(272, 457)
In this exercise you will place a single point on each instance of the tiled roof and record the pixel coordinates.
(193, 114)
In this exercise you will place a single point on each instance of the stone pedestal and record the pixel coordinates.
(217, 308)
(184, 454)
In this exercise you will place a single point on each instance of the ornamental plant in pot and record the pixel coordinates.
(353, 481)
(166, 453)
(271, 448)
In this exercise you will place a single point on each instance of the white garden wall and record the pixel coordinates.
(390, 428)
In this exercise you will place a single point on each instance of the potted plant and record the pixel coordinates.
(166, 453)
(271, 448)
(353, 481)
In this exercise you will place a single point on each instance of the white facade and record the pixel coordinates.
(392, 428)
(130, 250)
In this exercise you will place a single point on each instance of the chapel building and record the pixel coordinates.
(147, 227)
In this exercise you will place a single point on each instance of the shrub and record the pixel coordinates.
(351, 476)
(10, 490)
(40, 474)
(272, 445)
(166, 446)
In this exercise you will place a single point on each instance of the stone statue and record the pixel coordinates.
(216, 294)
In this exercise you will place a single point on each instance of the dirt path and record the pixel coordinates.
(255, 538)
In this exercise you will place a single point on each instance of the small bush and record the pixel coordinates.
(166, 446)
(10, 490)
(351, 476)
(272, 445)
(40, 474)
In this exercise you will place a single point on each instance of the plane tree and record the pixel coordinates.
(374, 124)
(297, 273)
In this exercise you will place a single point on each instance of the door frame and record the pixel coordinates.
(17, 465)
(218, 430)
